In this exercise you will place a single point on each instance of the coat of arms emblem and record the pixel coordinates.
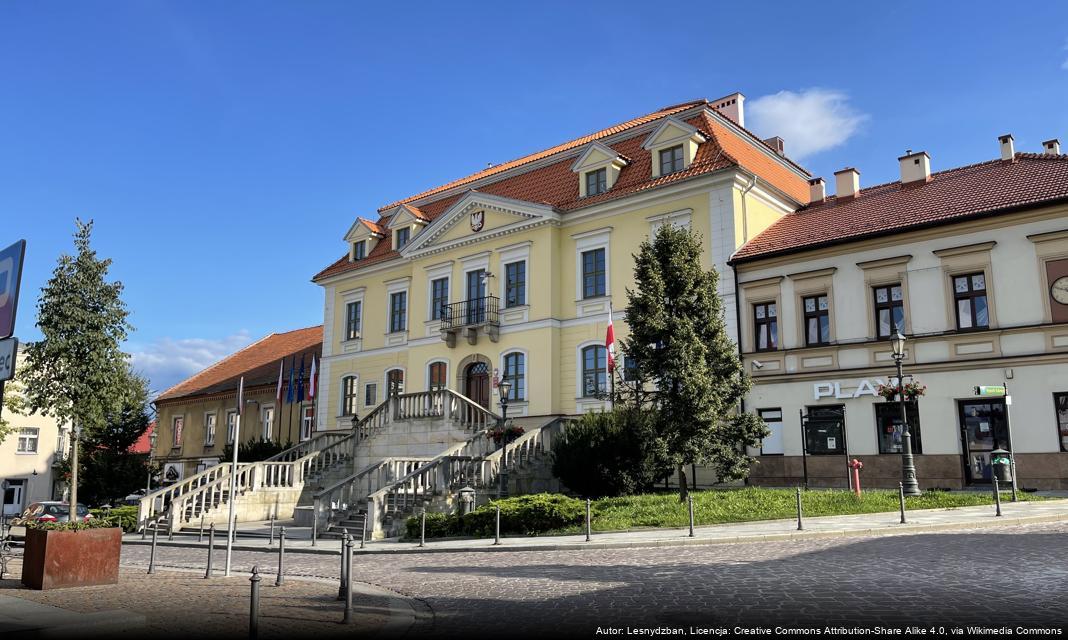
(478, 219)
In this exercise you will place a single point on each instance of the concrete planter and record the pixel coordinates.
(58, 559)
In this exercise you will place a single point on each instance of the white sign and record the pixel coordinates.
(845, 391)
(7, 358)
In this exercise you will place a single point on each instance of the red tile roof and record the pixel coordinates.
(143, 444)
(374, 227)
(987, 188)
(556, 184)
(258, 363)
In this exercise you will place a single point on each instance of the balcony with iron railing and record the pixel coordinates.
(468, 316)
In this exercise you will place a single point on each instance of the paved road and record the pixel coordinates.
(1015, 575)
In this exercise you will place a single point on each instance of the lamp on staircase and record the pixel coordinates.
(503, 387)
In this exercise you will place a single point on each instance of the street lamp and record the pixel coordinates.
(504, 386)
(151, 449)
(908, 465)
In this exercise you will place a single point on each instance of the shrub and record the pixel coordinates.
(611, 453)
(124, 516)
(66, 525)
(522, 515)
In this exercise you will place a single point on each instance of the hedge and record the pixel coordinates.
(527, 515)
(124, 516)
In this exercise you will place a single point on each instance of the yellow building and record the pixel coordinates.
(513, 271)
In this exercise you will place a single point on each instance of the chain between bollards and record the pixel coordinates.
(497, 530)
(901, 499)
(589, 526)
(348, 619)
(281, 558)
(422, 528)
(997, 497)
(254, 604)
(344, 578)
(689, 508)
(210, 549)
(152, 551)
(800, 526)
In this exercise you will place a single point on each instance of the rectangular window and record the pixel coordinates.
(766, 326)
(515, 284)
(889, 310)
(209, 429)
(176, 435)
(889, 428)
(231, 426)
(348, 396)
(969, 294)
(267, 418)
(593, 273)
(671, 160)
(359, 250)
(630, 369)
(596, 182)
(817, 320)
(436, 378)
(307, 423)
(439, 298)
(370, 395)
(398, 311)
(515, 371)
(1060, 406)
(772, 444)
(28, 438)
(352, 320)
(403, 235)
(594, 371)
(825, 430)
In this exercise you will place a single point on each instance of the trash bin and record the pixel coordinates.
(467, 500)
(1002, 465)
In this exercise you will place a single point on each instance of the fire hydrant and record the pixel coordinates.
(856, 466)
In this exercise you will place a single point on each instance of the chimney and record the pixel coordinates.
(847, 183)
(915, 167)
(731, 106)
(777, 145)
(1008, 152)
(1052, 147)
(817, 191)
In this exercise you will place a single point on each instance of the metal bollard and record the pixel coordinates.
(1012, 468)
(344, 578)
(348, 583)
(200, 538)
(997, 497)
(281, 558)
(254, 604)
(800, 527)
(901, 499)
(497, 531)
(422, 529)
(211, 548)
(689, 507)
(589, 529)
(152, 552)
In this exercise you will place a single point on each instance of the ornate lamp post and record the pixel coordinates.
(503, 387)
(908, 465)
(151, 450)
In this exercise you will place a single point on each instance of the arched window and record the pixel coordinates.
(348, 395)
(436, 376)
(395, 381)
(515, 371)
(594, 371)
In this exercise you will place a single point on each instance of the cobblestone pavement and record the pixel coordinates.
(1014, 575)
(183, 604)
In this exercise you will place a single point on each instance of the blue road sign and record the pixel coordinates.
(11, 260)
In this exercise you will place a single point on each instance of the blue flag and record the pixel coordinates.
(300, 381)
(289, 388)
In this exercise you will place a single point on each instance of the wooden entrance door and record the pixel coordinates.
(476, 383)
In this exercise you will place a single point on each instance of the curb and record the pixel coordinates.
(683, 541)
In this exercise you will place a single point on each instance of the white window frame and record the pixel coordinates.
(209, 434)
(526, 373)
(370, 384)
(385, 378)
(437, 272)
(25, 437)
(580, 374)
(782, 431)
(231, 427)
(400, 285)
(307, 423)
(681, 219)
(265, 425)
(431, 362)
(591, 241)
(341, 394)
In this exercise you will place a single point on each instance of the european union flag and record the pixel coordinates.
(289, 389)
(300, 380)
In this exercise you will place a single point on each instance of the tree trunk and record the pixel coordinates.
(684, 489)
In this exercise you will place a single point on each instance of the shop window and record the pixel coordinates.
(773, 442)
(889, 428)
(825, 430)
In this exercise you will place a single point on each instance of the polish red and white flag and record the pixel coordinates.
(313, 380)
(610, 343)
(278, 389)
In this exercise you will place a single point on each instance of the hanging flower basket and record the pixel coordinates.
(508, 434)
(911, 390)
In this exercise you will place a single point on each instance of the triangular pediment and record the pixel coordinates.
(363, 228)
(597, 154)
(405, 216)
(672, 131)
(476, 217)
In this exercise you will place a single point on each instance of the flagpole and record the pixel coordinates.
(231, 523)
(610, 352)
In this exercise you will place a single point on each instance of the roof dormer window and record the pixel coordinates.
(671, 160)
(596, 182)
(404, 234)
(359, 250)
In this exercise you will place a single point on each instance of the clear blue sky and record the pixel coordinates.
(223, 148)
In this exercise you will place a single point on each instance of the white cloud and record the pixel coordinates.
(168, 361)
(810, 121)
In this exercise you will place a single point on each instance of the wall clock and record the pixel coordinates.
(1059, 290)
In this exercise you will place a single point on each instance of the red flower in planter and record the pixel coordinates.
(508, 434)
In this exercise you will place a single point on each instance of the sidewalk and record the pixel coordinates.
(870, 524)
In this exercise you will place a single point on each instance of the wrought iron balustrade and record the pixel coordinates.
(471, 313)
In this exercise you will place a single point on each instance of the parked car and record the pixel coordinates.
(51, 511)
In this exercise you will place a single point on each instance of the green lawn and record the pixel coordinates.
(747, 504)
